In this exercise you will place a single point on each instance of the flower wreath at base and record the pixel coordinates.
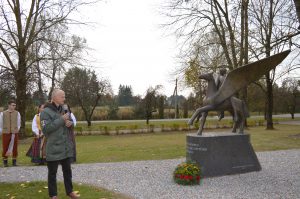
(187, 173)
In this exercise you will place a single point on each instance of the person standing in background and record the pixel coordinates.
(10, 123)
(55, 123)
(37, 149)
(71, 131)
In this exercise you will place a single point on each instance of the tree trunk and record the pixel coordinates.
(21, 82)
(89, 123)
(269, 103)
(246, 52)
(147, 117)
(40, 87)
(269, 97)
(39, 80)
(52, 84)
(87, 118)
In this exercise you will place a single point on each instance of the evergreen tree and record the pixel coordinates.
(161, 106)
(125, 97)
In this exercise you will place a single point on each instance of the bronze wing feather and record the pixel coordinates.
(244, 75)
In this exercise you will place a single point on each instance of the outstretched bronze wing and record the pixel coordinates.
(244, 75)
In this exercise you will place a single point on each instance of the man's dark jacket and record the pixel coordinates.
(58, 145)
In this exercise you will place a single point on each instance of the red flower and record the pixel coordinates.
(181, 176)
(190, 177)
(198, 178)
(186, 177)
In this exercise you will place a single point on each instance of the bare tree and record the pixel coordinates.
(273, 23)
(60, 50)
(150, 101)
(83, 88)
(22, 25)
(291, 92)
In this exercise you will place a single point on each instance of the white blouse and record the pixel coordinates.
(73, 119)
(34, 126)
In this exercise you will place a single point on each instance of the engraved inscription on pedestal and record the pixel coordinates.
(192, 147)
(222, 153)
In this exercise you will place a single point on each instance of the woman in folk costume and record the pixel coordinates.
(37, 149)
(71, 134)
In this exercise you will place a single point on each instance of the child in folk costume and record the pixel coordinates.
(10, 123)
(37, 149)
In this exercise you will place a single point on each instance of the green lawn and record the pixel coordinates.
(38, 190)
(166, 145)
(282, 138)
(134, 147)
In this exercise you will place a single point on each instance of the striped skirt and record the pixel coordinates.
(37, 150)
(71, 137)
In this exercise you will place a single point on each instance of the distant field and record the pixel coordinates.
(126, 113)
(140, 126)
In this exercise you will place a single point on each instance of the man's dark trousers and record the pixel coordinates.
(67, 173)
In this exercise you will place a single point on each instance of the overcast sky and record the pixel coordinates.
(129, 45)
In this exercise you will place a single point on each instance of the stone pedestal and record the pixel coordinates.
(222, 153)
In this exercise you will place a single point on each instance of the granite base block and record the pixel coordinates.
(222, 153)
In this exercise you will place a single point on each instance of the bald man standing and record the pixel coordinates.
(55, 124)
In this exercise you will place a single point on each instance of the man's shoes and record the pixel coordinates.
(14, 162)
(5, 163)
(54, 197)
(73, 195)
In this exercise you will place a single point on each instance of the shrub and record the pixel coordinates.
(151, 128)
(106, 130)
(78, 130)
(162, 126)
(187, 173)
(175, 127)
(132, 128)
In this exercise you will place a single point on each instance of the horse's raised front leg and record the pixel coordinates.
(198, 111)
(203, 119)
